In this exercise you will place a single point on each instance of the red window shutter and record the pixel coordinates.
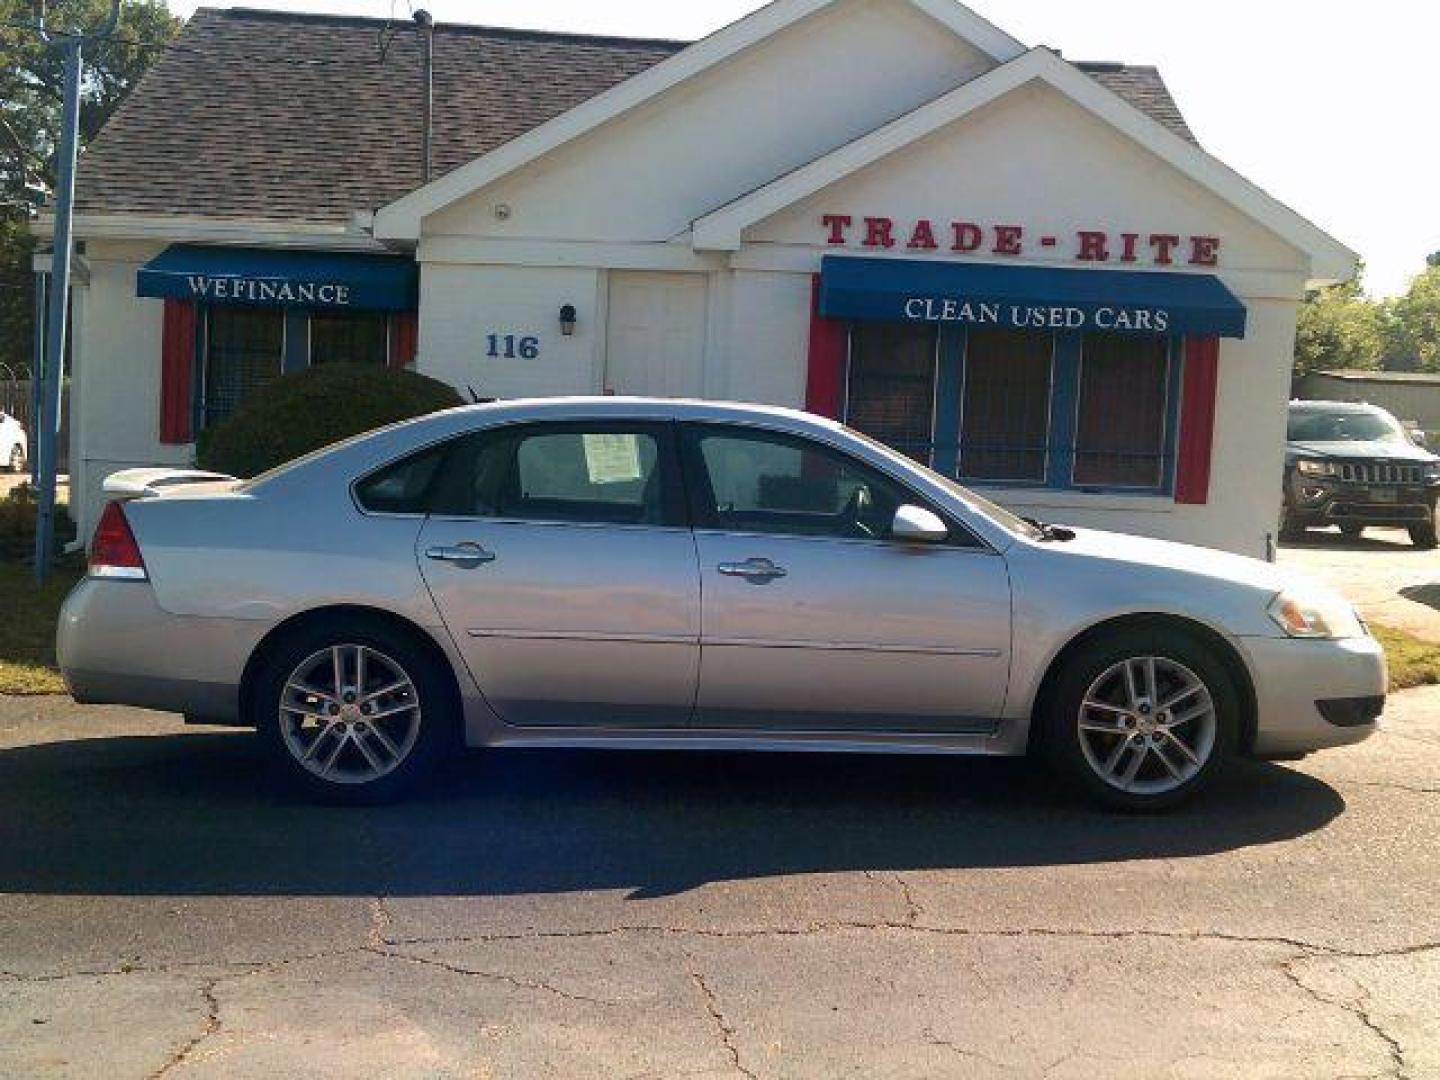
(404, 338)
(177, 362)
(1197, 420)
(824, 384)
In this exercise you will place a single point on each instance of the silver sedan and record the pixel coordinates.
(634, 573)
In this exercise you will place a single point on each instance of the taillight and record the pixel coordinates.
(114, 552)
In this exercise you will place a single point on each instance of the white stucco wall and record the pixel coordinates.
(461, 306)
(115, 388)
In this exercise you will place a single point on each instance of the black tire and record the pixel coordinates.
(1290, 529)
(17, 460)
(1423, 535)
(1059, 714)
(436, 709)
(1352, 532)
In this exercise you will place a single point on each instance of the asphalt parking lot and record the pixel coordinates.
(167, 912)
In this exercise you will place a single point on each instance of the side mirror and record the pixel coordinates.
(1419, 438)
(915, 524)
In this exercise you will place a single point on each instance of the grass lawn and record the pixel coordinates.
(27, 627)
(1413, 661)
(28, 614)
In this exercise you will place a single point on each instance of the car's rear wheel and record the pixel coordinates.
(1142, 719)
(1423, 535)
(355, 714)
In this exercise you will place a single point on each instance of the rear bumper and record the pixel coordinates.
(1302, 688)
(118, 647)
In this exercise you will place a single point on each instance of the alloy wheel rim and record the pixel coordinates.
(1147, 725)
(349, 714)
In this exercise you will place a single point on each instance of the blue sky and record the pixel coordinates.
(1320, 102)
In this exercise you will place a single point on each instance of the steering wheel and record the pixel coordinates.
(855, 511)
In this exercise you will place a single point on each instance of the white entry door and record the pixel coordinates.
(655, 344)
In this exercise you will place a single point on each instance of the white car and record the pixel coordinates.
(14, 446)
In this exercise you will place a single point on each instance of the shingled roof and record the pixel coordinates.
(260, 114)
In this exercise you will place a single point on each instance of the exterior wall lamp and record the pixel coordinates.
(567, 320)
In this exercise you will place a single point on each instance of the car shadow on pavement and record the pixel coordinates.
(195, 814)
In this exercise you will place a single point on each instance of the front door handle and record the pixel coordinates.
(752, 570)
(466, 555)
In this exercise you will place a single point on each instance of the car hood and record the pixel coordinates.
(1200, 562)
(1383, 451)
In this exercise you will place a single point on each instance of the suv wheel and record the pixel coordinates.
(1142, 720)
(1423, 535)
(355, 714)
(1290, 529)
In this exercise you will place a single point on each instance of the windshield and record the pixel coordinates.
(1311, 425)
(981, 505)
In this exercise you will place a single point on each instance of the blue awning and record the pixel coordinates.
(277, 278)
(1028, 297)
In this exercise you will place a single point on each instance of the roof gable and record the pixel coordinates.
(722, 229)
(401, 219)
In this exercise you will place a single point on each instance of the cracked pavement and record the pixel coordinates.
(164, 911)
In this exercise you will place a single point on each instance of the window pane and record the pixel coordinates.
(244, 349)
(602, 477)
(1120, 430)
(891, 393)
(1005, 405)
(773, 484)
(406, 487)
(349, 337)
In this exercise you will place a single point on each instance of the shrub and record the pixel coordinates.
(311, 409)
(18, 511)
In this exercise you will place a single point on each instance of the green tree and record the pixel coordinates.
(1414, 334)
(31, 95)
(1340, 327)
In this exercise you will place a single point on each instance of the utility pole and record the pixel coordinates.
(73, 46)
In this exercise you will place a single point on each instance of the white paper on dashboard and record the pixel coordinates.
(612, 459)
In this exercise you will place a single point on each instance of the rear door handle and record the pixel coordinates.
(752, 570)
(466, 555)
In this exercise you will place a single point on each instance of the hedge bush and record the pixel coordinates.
(311, 409)
(18, 512)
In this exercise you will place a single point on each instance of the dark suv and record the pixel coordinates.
(1354, 465)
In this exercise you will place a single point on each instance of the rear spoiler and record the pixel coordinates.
(147, 483)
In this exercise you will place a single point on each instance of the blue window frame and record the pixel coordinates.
(1065, 411)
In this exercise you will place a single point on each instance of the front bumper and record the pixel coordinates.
(117, 646)
(1294, 676)
(1327, 501)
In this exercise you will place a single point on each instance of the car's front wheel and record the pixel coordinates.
(17, 459)
(1423, 535)
(1141, 719)
(357, 714)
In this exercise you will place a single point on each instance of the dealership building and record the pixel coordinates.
(1019, 268)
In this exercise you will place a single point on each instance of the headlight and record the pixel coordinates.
(1310, 467)
(1306, 614)
(1432, 472)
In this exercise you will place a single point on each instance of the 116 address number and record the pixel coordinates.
(510, 346)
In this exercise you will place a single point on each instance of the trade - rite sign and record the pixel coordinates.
(967, 237)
